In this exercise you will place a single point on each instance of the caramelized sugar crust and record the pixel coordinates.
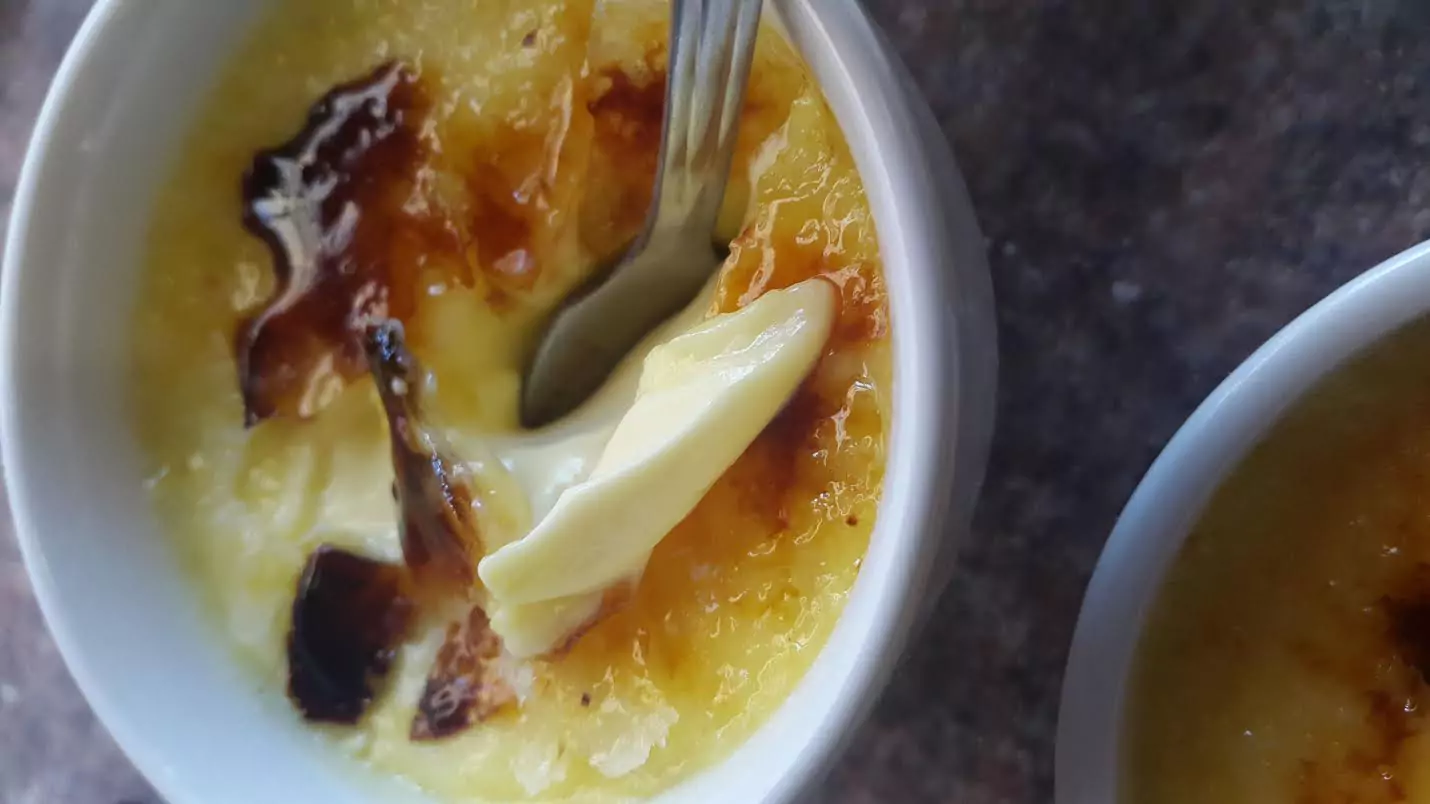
(1287, 657)
(349, 616)
(329, 204)
(534, 161)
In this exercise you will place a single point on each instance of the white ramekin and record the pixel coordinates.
(1167, 503)
(126, 620)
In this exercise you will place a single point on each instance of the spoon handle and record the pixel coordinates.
(710, 54)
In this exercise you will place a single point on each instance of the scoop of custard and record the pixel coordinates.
(703, 397)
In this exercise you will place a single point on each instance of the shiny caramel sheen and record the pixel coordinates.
(542, 118)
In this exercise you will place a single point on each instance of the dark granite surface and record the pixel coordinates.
(1163, 184)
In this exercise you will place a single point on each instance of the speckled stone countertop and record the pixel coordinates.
(1162, 186)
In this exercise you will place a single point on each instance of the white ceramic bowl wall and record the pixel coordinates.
(126, 620)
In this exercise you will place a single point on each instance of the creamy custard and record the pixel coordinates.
(538, 150)
(1287, 656)
(703, 398)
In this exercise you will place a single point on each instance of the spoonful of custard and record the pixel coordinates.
(712, 45)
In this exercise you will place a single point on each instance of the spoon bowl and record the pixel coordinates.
(712, 47)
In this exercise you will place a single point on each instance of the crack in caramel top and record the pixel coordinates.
(350, 612)
(440, 542)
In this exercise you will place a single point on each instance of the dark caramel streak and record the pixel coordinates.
(463, 687)
(325, 204)
(1410, 629)
(349, 615)
(439, 534)
(351, 612)
(1393, 703)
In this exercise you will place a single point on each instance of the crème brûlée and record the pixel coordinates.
(378, 207)
(1287, 656)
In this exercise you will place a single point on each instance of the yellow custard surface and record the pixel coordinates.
(555, 106)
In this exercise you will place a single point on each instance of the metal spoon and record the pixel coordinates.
(712, 43)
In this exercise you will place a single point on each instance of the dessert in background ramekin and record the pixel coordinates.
(1250, 631)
